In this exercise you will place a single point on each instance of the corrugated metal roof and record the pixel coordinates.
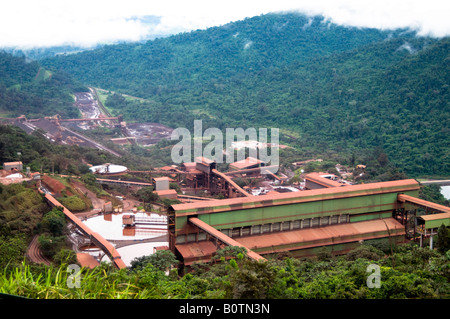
(157, 179)
(249, 161)
(435, 216)
(166, 192)
(198, 251)
(423, 203)
(321, 236)
(296, 197)
(12, 163)
(203, 160)
(317, 178)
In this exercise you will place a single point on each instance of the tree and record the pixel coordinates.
(250, 279)
(73, 203)
(53, 222)
(443, 239)
(146, 194)
(12, 249)
(65, 256)
(161, 259)
(364, 251)
(50, 245)
(89, 179)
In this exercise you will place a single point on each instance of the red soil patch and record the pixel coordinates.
(55, 186)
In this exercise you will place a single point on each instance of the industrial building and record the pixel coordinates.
(321, 180)
(161, 183)
(108, 169)
(11, 166)
(248, 163)
(298, 223)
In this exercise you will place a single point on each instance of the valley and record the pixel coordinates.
(347, 175)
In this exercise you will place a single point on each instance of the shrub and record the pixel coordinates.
(366, 252)
(73, 203)
(53, 222)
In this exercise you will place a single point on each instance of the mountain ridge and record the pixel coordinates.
(338, 87)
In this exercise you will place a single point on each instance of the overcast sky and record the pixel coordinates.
(43, 23)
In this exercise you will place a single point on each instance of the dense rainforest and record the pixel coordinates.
(26, 88)
(326, 87)
(407, 271)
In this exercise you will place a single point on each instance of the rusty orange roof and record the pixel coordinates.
(435, 216)
(249, 161)
(195, 172)
(161, 248)
(87, 260)
(192, 168)
(319, 179)
(166, 168)
(12, 163)
(166, 192)
(203, 160)
(321, 236)
(201, 251)
(164, 178)
(423, 203)
(296, 197)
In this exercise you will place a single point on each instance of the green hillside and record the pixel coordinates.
(29, 89)
(215, 55)
(331, 87)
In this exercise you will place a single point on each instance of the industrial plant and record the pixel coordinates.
(207, 209)
(322, 213)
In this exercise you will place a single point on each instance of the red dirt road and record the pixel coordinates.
(34, 253)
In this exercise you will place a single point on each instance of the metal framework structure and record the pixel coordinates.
(94, 237)
(299, 222)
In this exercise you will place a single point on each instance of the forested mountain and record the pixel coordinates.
(327, 86)
(215, 55)
(27, 88)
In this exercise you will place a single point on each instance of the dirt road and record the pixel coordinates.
(34, 253)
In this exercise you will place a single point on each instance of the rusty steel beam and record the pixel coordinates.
(222, 237)
(231, 182)
(422, 203)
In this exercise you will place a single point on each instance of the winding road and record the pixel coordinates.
(34, 253)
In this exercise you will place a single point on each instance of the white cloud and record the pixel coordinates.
(427, 17)
(29, 23)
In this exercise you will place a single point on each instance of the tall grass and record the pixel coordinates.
(53, 284)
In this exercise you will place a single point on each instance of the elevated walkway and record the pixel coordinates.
(231, 182)
(96, 238)
(219, 236)
(128, 183)
(422, 203)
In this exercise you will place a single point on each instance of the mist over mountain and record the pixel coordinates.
(328, 87)
(234, 49)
